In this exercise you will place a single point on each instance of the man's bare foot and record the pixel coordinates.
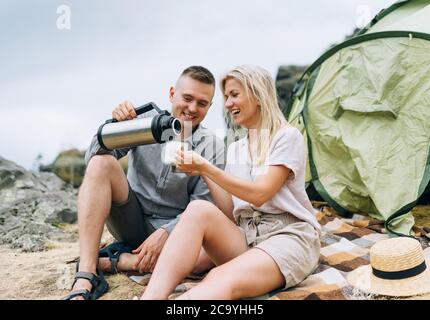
(125, 263)
(88, 285)
(81, 284)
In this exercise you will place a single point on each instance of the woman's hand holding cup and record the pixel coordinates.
(190, 162)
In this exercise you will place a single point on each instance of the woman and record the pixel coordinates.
(262, 234)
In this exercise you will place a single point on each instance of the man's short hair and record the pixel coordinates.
(199, 73)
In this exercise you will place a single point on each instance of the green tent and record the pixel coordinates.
(364, 109)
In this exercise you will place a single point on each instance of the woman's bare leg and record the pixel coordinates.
(201, 224)
(251, 274)
(204, 263)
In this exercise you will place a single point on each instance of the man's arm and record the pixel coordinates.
(149, 251)
(124, 111)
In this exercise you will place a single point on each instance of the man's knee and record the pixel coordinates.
(101, 164)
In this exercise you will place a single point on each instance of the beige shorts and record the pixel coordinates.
(294, 245)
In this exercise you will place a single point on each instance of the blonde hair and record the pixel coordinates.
(258, 82)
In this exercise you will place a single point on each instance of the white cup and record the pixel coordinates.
(168, 154)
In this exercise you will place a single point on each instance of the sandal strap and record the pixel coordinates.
(114, 264)
(84, 275)
(113, 252)
(98, 283)
(91, 277)
(83, 292)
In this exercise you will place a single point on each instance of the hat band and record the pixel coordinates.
(397, 275)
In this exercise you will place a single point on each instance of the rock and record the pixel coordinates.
(51, 181)
(29, 243)
(286, 79)
(70, 166)
(9, 173)
(33, 206)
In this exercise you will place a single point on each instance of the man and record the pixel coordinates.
(140, 210)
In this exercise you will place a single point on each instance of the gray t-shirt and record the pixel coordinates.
(164, 194)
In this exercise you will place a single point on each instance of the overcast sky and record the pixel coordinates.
(58, 84)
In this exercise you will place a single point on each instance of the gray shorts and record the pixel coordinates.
(127, 221)
(293, 244)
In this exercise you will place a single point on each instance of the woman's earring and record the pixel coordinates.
(258, 103)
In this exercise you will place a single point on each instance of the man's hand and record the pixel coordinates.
(124, 111)
(149, 251)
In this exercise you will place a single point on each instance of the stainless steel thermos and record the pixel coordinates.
(163, 127)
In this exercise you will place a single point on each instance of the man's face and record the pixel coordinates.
(191, 100)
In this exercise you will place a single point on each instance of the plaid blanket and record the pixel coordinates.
(345, 244)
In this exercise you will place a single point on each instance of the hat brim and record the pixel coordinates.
(363, 279)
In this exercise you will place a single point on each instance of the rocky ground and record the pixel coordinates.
(34, 207)
(48, 275)
(38, 237)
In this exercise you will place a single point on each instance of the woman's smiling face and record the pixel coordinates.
(244, 110)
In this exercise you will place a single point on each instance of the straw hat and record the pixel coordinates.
(397, 268)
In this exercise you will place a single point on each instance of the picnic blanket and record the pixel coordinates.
(345, 245)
